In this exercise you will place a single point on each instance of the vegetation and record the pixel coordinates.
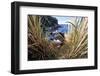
(75, 43)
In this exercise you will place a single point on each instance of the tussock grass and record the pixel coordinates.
(78, 39)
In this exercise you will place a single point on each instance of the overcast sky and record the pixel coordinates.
(62, 19)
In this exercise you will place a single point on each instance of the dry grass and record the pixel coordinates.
(37, 43)
(78, 39)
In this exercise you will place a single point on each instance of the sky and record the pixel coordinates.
(62, 19)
